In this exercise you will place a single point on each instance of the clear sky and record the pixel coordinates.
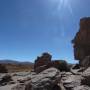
(30, 27)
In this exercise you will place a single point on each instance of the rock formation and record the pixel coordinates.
(42, 63)
(81, 42)
(45, 62)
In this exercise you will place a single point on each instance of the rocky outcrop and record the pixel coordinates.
(86, 77)
(81, 42)
(45, 62)
(62, 65)
(41, 63)
(5, 80)
(46, 80)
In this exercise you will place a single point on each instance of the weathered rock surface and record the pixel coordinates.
(83, 87)
(62, 65)
(44, 60)
(70, 81)
(46, 80)
(5, 80)
(82, 40)
(85, 62)
(86, 77)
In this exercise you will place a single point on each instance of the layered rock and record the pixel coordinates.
(81, 42)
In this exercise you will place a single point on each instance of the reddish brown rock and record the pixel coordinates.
(62, 65)
(81, 42)
(42, 62)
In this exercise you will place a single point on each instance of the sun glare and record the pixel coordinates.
(62, 4)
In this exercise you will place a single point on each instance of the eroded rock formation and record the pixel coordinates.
(45, 62)
(42, 63)
(81, 42)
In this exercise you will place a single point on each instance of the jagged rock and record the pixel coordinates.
(82, 40)
(76, 66)
(5, 79)
(19, 87)
(3, 69)
(42, 61)
(86, 62)
(62, 65)
(46, 80)
(70, 81)
(86, 75)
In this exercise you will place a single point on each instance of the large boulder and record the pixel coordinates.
(70, 81)
(5, 79)
(46, 80)
(86, 77)
(62, 65)
(85, 62)
(81, 42)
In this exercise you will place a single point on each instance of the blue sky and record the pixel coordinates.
(30, 27)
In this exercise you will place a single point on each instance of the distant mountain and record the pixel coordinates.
(6, 61)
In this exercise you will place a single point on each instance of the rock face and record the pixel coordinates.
(45, 62)
(62, 65)
(86, 79)
(42, 62)
(81, 42)
(46, 80)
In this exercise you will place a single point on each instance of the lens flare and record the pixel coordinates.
(62, 4)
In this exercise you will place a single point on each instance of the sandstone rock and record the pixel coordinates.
(46, 80)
